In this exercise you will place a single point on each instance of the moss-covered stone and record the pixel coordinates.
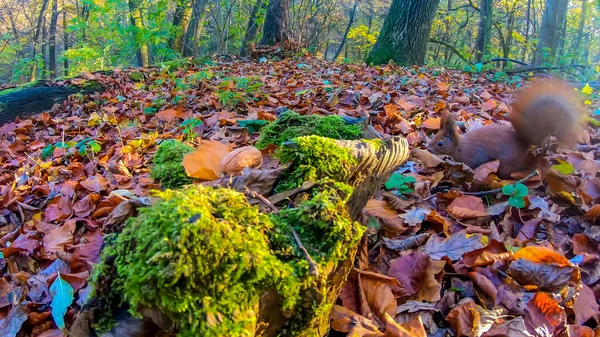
(204, 257)
(168, 169)
(291, 125)
(314, 158)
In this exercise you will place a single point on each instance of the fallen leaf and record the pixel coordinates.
(62, 297)
(592, 213)
(415, 216)
(544, 314)
(95, 184)
(378, 297)
(410, 270)
(466, 207)
(389, 217)
(484, 170)
(56, 239)
(453, 247)
(542, 255)
(511, 328)
(11, 324)
(24, 243)
(494, 251)
(427, 158)
(59, 208)
(461, 317)
(344, 320)
(431, 123)
(204, 162)
(585, 306)
(413, 328)
(85, 206)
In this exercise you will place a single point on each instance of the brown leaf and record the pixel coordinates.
(427, 158)
(592, 213)
(583, 244)
(453, 247)
(413, 328)
(95, 184)
(484, 170)
(466, 207)
(431, 287)
(204, 162)
(489, 105)
(461, 318)
(169, 114)
(345, 320)
(85, 206)
(24, 243)
(483, 257)
(58, 209)
(11, 325)
(544, 276)
(5, 289)
(58, 238)
(389, 217)
(544, 312)
(378, 296)
(259, 181)
(512, 328)
(431, 123)
(86, 255)
(585, 306)
(410, 270)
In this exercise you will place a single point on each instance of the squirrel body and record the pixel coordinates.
(545, 108)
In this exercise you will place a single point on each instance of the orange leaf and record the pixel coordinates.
(462, 99)
(484, 170)
(442, 86)
(467, 207)
(169, 114)
(56, 240)
(389, 217)
(378, 297)
(391, 109)
(541, 310)
(541, 255)
(431, 123)
(205, 161)
(592, 213)
(408, 106)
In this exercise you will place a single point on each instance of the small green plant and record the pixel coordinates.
(401, 183)
(87, 145)
(189, 125)
(516, 194)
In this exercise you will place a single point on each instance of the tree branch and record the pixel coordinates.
(451, 47)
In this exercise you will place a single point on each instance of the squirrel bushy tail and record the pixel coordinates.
(547, 107)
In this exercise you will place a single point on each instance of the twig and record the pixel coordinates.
(496, 190)
(505, 59)
(313, 267)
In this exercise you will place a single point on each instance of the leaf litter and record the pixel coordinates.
(439, 257)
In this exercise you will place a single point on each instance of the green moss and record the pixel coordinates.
(315, 158)
(376, 144)
(291, 125)
(168, 169)
(201, 257)
(136, 76)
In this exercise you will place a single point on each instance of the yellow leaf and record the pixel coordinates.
(204, 162)
(95, 119)
(587, 89)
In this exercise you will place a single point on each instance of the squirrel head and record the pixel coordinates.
(445, 142)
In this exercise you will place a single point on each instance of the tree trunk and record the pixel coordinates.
(37, 97)
(350, 22)
(404, 35)
(252, 28)
(527, 17)
(65, 39)
(276, 27)
(199, 27)
(561, 22)
(135, 13)
(547, 41)
(577, 41)
(181, 22)
(52, 45)
(36, 38)
(484, 33)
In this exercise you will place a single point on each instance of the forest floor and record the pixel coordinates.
(432, 250)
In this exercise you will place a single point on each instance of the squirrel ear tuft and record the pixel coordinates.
(448, 124)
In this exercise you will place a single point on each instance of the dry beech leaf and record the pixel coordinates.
(56, 239)
(585, 306)
(431, 123)
(466, 207)
(461, 317)
(413, 328)
(410, 270)
(542, 255)
(592, 213)
(544, 313)
(453, 247)
(484, 170)
(378, 296)
(344, 320)
(390, 218)
(95, 184)
(483, 257)
(204, 162)
(545, 276)
(427, 158)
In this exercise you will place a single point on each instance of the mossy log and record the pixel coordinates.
(261, 280)
(36, 97)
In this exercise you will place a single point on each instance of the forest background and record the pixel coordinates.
(53, 38)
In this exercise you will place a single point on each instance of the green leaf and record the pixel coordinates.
(517, 202)
(397, 180)
(521, 190)
(564, 168)
(48, 151)
(479, 67)
(149, 111)
(95, 146)
(253, 125)
(62, 297)
(508, 190)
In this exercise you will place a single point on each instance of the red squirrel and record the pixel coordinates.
(546, 107)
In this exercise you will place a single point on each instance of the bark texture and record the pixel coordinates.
(484, 33)
(276, 27)
(405, 33)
